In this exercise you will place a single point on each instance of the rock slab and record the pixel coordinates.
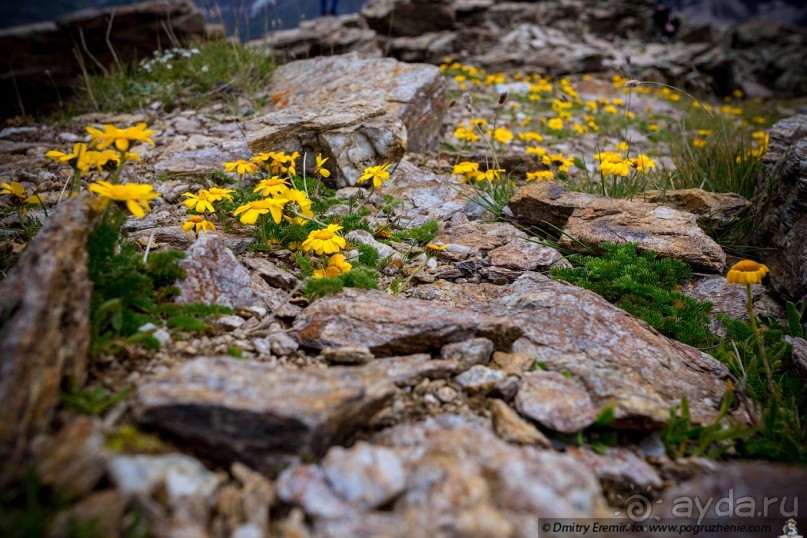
(588, 220)
(45, 331)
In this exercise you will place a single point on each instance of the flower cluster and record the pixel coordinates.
(614, 164)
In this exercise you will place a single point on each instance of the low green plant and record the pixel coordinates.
(419, 235)
(91, 401)
(645, 287)
(358, 277)
(207, 72)
(129, 292)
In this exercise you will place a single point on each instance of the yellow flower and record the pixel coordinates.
(653, 127)
(530, 136)
(296, 202)
(241, 167)
(746, 272)
(502, 135)
(109, 159)
(76, 159)
(610, 109)
(491, 174)
(252, 210)
(579, 129)
(480, 122)
(561, 106)
(557, 159)
(214, 194)
(136, 197)
(465, 134)
(541, 175)
(325, 241)
(536, 150)
(336, 266)
(121, 138)
(762, 140)
(705, 133)
(614, 167)
(465, 167)
(699, 143)
(197, 223)
(432, 246)
(273, 186)
(320, 169)
(556, 124)
(623, 146)
(643, 163)
(200, 202)
(17, 191)
(377, 173)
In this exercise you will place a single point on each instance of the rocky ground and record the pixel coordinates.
(413, 410)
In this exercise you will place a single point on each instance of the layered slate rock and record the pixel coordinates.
(557, 402)
(784, 227)
(352, 135)
(713, 210)
(392, 325)
(244, 411)
(425, 195)
(588, 220)
(214, 276)
(414, 93)
(199, 154)
(45, 330)
(460, 480)
(323, 36)
(620, 360)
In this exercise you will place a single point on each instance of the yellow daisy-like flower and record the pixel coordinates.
(643, 163)
(17, 192)
(699, 143)
(653, 127)
(135, 196)
(109, 159)
(465, 167)
(252, 210)
(297, 203)
(612, 168)
(200, 202)
(541, 175)
(122, 139)
(241, 167)
(197, 223)
(502, 135)
(376, 173)
(536, 150)
(557, 159)
(622, 147)
(530, 136)
(320, 169)
(336, 266)
(325, 241)
(273, 186)
(746, 272)
(76, 159)
(432, 246)
(480, 122)
(214, 194)
(465, 134)
(705, 133)
(555, 124)
(610, 109)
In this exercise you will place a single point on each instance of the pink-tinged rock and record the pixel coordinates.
(713, 210)
(524, 256)
(393, 325)
(618, 468)
(214, 276)
(556, 401)
(620, 360)
(588, 220)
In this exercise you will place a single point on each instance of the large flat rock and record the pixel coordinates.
(619, 360)
(394, 325)
(411, 93)
(237, 410)
(589, 220)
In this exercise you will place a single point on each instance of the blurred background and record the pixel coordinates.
(253, 18)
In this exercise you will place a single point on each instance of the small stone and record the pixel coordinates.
(446, 394)
(510, 427)
(307, 486)
(347, 355)
(282, 344)
(522, 255)
(555, 401)
(262, 346)
(469, 352)
(366, 476)
(512, 363)
(479, 379)
(230, 322)
(364, 237)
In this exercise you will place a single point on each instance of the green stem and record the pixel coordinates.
(296, 214)
(760, 344)
(116, 176)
